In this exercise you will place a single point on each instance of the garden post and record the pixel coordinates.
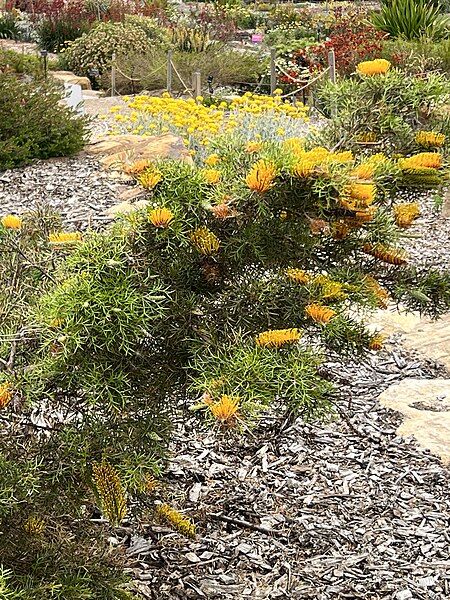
(273, 70)
(332, 65)
(169, 71)
(197, 84)
(113, 75)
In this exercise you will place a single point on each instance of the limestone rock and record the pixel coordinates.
(69, 77)
(118, 150)
(425, 403)
(431, 338)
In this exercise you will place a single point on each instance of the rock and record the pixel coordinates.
(445, 213)
(431, 338)
(131, 193)
(69, 77)
(118, 150)
(426, 405)
(393, 321)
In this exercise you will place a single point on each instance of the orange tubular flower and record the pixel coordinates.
(64, 237)
(276, 338)
(261, 176)
(430, 139)
(406, 213)
(319, 313)
(211, 176)
(11, 222)
(427, 160)
(298, 275)
(5, 394)
(378, 291)
(376, 343)
(226, 410)
(392, 256)
(160, 217)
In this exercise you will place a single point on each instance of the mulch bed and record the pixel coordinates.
(341, 510)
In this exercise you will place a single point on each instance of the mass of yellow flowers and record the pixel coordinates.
(11, 222)
(192, 119)
(379, 66)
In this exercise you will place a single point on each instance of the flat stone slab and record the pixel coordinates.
(425, 403)
(430, 338)
(118, 150)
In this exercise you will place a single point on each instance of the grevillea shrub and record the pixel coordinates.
(35, 124)
(224, 293)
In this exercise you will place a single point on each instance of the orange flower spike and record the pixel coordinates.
(319, 313)
(376, 343)
(5, 394)
(392, 256)
(11, 222)
(276, 338)
(261, 176)
(161, 217)
(406, 213)
(298, 275)
(226, 410)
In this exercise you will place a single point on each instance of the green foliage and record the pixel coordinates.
(227, 66)
(18, 62)
(34, 124)
(96, 48)
(259, 375)
(392, 107)
(8, 26)
(411, 19)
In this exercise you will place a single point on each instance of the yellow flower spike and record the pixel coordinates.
(430, 139)
(365, 171)
(392, 256)
(34, 525)
(11, 222)
(253, 147)
(331, 290)
(64, 237)
(320, 314)
(110, 492)
(378, 291)
(211, 176)
(226, 410)
(377, 342)
(304, 169)
(176, 520)
(205, 241)
(5, 394)
(261, 176)
(150, 178)
(212, 160)
(406, 213)
(298, 275)
(367, 137)
(276, 338)
(379, 66)
(160, 217)
(429, 160)
(362, 192)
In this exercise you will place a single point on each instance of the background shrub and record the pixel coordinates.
(96, 48)
(411, 19)
(227, 67)
(34, 123)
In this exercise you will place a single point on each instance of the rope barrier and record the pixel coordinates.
(186, 89)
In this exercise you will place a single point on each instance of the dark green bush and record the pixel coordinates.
(8, 27)
(35, 124)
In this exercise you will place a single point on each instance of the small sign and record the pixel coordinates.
(257, 38)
